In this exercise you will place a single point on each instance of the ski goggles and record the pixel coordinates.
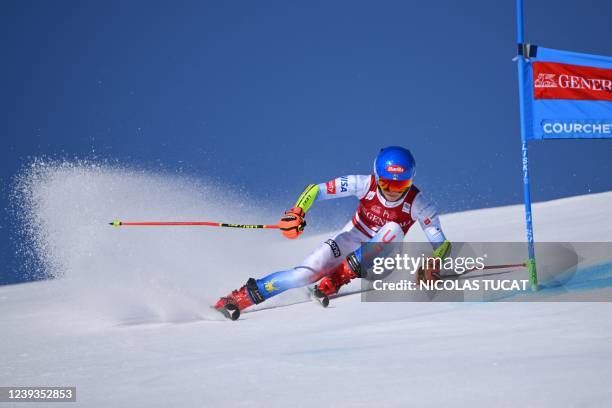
(394, 186)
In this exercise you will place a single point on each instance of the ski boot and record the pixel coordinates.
(348, 270)
(231, 305)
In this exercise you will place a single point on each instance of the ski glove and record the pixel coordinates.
(292, 223)
(428, 274)
(431, 271)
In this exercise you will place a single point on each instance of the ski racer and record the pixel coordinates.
(389, 204)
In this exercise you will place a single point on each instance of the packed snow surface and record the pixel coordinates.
(125, 316)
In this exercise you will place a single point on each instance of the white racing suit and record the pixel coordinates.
(376, 219)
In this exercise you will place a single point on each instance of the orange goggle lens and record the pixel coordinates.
(398, 186)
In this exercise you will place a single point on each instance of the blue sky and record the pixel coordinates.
(281, 94)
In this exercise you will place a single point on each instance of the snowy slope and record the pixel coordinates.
(127, 320)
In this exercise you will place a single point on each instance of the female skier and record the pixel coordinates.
(389, 204)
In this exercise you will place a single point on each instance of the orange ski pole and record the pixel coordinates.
(118, 223)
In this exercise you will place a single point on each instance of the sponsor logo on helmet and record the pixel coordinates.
(331, 187)
(395, 169)
(334, 247)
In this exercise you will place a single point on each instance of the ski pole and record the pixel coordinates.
(118, 223)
